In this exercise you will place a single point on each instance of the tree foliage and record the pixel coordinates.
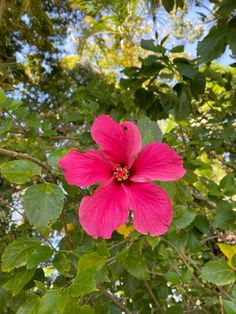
(49, 98)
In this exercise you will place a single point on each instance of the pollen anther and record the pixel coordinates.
(121, 173)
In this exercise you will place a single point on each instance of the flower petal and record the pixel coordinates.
(121, 142)
(84, 169)
(104, 211)
(157, 161)
(151, 206)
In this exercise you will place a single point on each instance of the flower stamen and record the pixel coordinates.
(121, 173)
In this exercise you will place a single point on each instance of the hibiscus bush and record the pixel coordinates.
(117, 161)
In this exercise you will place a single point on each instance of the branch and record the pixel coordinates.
(153, 297)
(14, 154)
(114, 299)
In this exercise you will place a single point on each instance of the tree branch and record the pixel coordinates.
(153, 297)
(14, 154)
(114, 299)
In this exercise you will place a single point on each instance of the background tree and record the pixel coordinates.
(52, 88)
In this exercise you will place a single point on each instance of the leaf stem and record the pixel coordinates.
(114, 299)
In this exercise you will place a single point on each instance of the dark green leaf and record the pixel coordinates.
(148, 44)
(19, 280)
(213, 45)
(134, 263)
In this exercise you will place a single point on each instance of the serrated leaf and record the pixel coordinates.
(84, 283)
(29, 305)
(183, 216)
(225, 217)
(43, 205)
(227, 184)
(53, 302)
(134, 263)
(213, 45)
(91, 260)
(43, 253)
(150, 130)
(17, 282)
(218, 273)
(61, 262)
(85, 280)
(183, 108)
(24, 252)
(20, 171)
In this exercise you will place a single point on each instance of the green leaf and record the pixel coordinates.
(218, 273)
(168, 5)
(43, 253)
(86, 309)
(2, 96)
(179, 48)
(213, 45)
(43, 205)
(183, 108)
(148, 44)
(24, 252)
(227, 184)
(20, 171)
(5, 126)
(150, 130)
(183, 216)
(29, 306)
(134, 263)
(225, 217)
(172, 277)
(53, 302)
(17, 282)
(91, 260)
(185, 67)
(4, 297)
(176, 309)
(84, 283)
(230, 306)
(85, 280)
(61, 262)
(231, 35)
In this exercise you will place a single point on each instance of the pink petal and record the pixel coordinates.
(151, 206)
(122, 142)
(157, 161)
(84, 169)
(104, 211)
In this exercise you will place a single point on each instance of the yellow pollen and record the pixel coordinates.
(121, 173)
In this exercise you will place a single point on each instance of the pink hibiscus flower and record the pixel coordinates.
(124, 170)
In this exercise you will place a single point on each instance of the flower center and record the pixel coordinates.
(121, 173)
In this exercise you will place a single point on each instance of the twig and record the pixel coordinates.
(17, 122)
(114, 299)
(221, 304)
(14, 154)
(153, 297)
